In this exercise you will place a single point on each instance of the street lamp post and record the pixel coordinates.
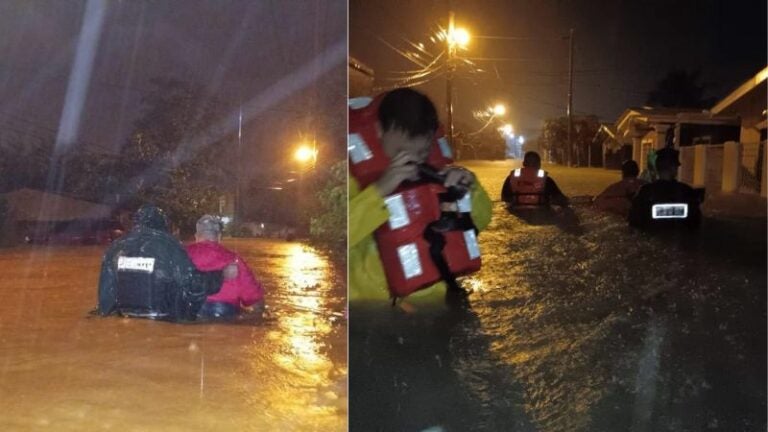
(304, 155)
(449, 81)
(455, 38)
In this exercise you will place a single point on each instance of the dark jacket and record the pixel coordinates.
(665, 192)
(172, 290)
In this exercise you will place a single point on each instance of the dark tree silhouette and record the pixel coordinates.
(680, 89)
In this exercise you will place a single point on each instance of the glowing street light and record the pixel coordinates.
(499, 110)
(304, 154)
(458, 37)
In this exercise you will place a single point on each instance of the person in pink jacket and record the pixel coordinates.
(208, 254)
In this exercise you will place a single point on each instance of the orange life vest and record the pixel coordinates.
(421, 245)
(526, 186)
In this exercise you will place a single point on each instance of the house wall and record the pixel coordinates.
(713, 179)
(752, 158)
(687, 160)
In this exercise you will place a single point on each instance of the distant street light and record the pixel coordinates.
(458, 37)
(305, 154)
(498, 110)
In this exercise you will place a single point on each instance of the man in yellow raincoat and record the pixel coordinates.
(406, 126)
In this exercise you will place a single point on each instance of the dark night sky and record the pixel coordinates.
(622, 48)
(237, 49)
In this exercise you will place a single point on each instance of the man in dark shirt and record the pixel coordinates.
(666, 203)
(551, 194)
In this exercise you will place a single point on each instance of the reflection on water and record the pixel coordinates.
(305, 266)
(65, 371)
(303, 330)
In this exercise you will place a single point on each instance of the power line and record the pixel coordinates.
(521, 38)
(505, 59)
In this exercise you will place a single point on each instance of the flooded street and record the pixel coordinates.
(64, 370)
(576, 325)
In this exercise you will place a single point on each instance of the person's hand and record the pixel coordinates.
(449, 206)
(458, 176)
(230, 271)
(402, 167)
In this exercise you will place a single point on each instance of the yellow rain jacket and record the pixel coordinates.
(367, 212)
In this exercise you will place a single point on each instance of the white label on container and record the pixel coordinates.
(398, 215)
(465, 203)
(409, 259)
(358, 149)
(472, 247)
(445, 149)
(141, 264)
(669, 211)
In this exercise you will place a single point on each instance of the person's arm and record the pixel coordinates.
(506, 193)
(612, 192)
(367, 211)
(604, 194)
(556, 196)
(482, 207)
(251, 290)
(194, 286)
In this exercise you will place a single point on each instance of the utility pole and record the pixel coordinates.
(570, 99)
(449, 79)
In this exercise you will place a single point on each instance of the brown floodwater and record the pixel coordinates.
(62, 369)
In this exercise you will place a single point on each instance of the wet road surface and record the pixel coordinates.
(63, 370)
(576, 324)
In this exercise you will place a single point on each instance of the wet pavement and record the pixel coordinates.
(576, 323)
(63, 370)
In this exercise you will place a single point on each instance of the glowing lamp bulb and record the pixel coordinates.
(461, 37)
(304, 154)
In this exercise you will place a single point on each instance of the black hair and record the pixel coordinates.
(408, 110)
(667, 158)
(150, 216)
(531, 158)
(629, 169)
